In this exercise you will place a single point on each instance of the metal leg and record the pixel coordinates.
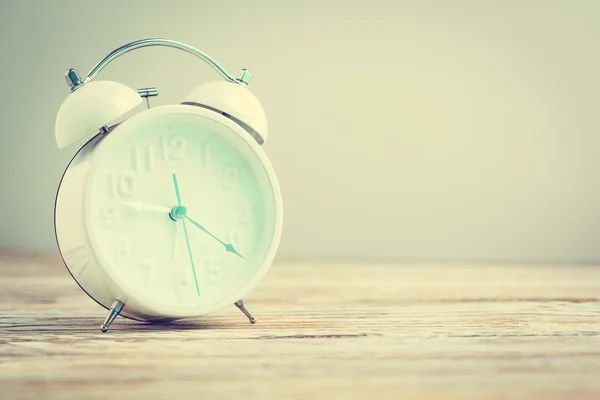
(241, 304)
(115, 309)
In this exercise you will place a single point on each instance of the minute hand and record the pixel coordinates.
(228, 246)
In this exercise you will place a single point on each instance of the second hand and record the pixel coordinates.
(180, 212)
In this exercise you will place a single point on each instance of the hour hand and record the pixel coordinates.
(228, 246)
(139, 206)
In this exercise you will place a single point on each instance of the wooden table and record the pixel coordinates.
(324, 331)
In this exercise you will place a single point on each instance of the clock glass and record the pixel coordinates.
(182, 210)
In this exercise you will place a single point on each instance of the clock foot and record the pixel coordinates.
(241, 304)
(115, 310)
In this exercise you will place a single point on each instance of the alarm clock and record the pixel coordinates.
(165, 212)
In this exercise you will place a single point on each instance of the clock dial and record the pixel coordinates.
(182, 209)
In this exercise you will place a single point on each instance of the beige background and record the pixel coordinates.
(434, 130)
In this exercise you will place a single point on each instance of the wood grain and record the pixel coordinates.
(325, 331)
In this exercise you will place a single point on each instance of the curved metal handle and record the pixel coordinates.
(159, 42)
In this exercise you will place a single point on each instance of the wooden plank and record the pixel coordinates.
(325, 330)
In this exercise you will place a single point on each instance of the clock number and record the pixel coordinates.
(121, 248)
(110, 217)
(214, 273)
(206, 153)
(126, 183)
(143, 157)
(182, 281)
(233, 238)
(173, 148)
(147, 267)
(122, 184)
(244, 212)
(164, 148)
(183, 284)
(232, 176)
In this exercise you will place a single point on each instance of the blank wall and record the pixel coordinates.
(432, 130)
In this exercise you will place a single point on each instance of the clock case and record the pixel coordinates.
(88, 112)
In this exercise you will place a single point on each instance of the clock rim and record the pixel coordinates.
(148, 305)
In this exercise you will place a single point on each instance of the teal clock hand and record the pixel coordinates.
(177, 189)
(180, 213)
(228, 246)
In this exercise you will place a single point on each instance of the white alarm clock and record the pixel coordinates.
(166, 212)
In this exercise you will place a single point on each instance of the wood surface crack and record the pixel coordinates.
(330, 336)
(572, 334)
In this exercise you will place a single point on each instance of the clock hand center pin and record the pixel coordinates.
(177, 213)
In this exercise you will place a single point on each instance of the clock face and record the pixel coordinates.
(182, 210)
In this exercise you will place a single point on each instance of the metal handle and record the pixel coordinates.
(155, 42)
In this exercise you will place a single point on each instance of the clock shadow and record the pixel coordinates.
(177, 325)
(86, 326)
